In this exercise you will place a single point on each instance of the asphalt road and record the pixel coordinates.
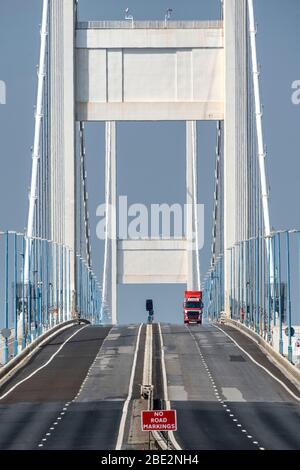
(72, 393)
(224, 401)
(76, 401)
(93, 419)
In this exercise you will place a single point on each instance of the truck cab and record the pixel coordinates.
(193, 307)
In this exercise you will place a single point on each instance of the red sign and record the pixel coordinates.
(159, 420)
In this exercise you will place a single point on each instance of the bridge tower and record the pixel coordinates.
(62, 128)
(114, 71)
(236, 187)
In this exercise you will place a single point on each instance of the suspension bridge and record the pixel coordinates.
(70, 374)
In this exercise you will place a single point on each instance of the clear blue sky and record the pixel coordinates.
(148, 151)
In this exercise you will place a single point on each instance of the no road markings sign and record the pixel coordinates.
(159, 420)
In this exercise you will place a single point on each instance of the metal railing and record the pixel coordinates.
(156, 24)
(31, 307)
(264, 289)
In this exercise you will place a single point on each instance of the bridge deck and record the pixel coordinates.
(223, 399)
(82, 391)
(29, 412)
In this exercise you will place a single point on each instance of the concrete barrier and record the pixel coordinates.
(161, 441)
(286, 367)
(11, 367)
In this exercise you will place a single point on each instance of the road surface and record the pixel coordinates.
(74, 402)
(82, 391)
(224, 400)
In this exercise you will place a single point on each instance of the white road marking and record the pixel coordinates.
(68, 403)
(260, 365)
(165, 387)
(147, 370)
(43, 366)
(127, 401)
(224, 405)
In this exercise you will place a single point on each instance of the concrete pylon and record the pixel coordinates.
(191, 147)
(104, 93)
(110, 134)
(235, 133)
(62, 129)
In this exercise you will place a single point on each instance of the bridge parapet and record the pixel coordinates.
(155, 24)
(264, 290)
(45, 300)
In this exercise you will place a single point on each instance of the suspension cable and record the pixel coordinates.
(37, 139)
(259, 131)
(217, 195)
(85, 195)
(107, 215)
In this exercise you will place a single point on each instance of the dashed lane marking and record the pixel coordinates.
(260, 365)
(41, 367)
(127, 401)
(66, 406)
(224, 405)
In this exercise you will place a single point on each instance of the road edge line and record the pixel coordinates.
(259, 365)
(43, 366)
(7, 370)
(130, 388)
(165, 387)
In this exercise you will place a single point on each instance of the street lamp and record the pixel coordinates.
(128, 16)
(168, 16)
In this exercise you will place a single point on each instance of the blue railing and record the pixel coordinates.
(264, 288)
(32, 306)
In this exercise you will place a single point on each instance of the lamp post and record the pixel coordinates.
(168, 16)
(129, 17)
(290, 350)
(279, 293)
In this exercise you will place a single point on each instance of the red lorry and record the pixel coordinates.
(192, 307)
